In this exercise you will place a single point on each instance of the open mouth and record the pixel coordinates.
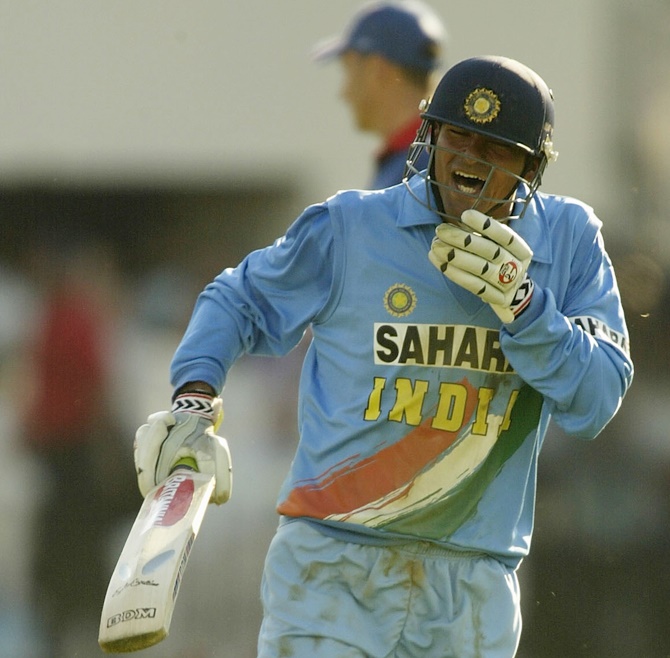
(468, 183)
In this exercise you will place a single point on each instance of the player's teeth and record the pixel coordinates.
(464, 175)
(467, 189)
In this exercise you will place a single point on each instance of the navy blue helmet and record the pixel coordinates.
(496, 97)
(500, 99)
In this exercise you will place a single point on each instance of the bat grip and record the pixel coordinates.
(186, 462)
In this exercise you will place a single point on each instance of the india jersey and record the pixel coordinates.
(420, 417)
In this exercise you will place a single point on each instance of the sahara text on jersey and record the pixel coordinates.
(446, 346)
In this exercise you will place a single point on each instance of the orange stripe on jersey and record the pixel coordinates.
(362, 481)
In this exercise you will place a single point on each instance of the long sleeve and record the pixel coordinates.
(575, 350)
(263, 306)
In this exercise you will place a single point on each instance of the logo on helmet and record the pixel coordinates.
(482, 105)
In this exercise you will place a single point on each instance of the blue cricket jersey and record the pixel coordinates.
(421, 417)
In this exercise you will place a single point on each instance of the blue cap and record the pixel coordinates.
(409, 34)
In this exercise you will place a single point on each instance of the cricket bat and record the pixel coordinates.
(142, 591)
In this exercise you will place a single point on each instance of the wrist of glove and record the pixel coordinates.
(188, 430)
(487, 258)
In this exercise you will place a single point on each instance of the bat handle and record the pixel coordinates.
(186, 462)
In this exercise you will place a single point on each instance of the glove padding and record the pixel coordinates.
(187, 431)
(490, 262)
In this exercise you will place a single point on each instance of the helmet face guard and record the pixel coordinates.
(502, 100)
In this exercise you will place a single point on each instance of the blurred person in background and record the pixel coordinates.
(389, 54)
(70, 429)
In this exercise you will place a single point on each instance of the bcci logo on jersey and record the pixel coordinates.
(399, 300)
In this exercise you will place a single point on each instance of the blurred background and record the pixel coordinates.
(148, 145)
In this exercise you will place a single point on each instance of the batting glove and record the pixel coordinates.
(185, 432)
(490, 262)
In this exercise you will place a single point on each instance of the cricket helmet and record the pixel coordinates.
(498, 98)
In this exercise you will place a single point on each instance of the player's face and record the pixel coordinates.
(358, 87)
(476, 171)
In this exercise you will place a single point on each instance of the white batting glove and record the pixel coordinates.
(187, 431)
(490, 262)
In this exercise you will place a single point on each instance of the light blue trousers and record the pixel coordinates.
(325, 598)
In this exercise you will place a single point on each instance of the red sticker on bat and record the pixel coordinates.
(173, 500)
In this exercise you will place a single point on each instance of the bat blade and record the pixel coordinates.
(143, 588)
